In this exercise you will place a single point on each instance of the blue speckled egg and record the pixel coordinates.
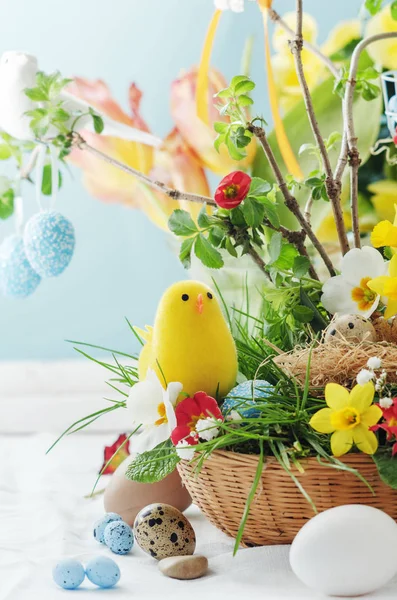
(103, 572)
(119, 537)
(68, 574)
(241, 400)
(100, 525)
(17, 278)
(49, 243)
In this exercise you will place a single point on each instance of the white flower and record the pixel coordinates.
(234, 5)
(208, 429)
(374, 363)
(364, 376)
(184, 450)
(385, 402)
(152, 407)
(348, 293)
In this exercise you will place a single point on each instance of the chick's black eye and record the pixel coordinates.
(185, 297)
(210, 296)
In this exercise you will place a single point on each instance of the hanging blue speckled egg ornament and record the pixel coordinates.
(17, 278)
(49, 241)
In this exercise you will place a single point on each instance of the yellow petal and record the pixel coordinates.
(365, 440)
(203, 70)
(336, 396)
(391, 309)
(362, 396)
(371, 416)
(384, 234)
(384, 52)
(341, 35)
(321, 421)
(341, 442)
(393, 267)
(378, 284)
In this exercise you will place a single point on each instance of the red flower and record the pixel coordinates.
(390, 423)
(232, 189)
(120, 456)
(395, 137)
(188, 412)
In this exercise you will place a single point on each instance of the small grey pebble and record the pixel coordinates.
(184, 567)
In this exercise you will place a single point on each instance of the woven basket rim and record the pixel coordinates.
(350, 459)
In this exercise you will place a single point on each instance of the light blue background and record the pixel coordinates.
(122, 262)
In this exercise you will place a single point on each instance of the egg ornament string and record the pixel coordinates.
(49, 238)
(17, 277)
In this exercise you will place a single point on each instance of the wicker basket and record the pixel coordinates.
(279, 509)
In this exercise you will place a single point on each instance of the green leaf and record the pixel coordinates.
(387, 467)
(370, 91)
(373, 6)
(181, 223)
(97, 120)
(225, 93)
(203, 219)
(319, 323)
(186, 251)
(46, 186)
(61, 115)
(253, 212)
(5, 151)
(205, 251)
(236, 80)
(259, 187)
(271, 211)
(230, 248)
(243, 87)
(153, 465)
(245, 100)
(368, 73)
(275, 247)
(221, 127)
(237, 217)
(7, 204)
(216, 235)
(301, 266)
(286, 257)
(345, 52)
(36, 94)
(303, 314)
(393, 10)
(233, 150)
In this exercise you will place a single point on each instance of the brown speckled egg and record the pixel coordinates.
(162, 531)
(352, 328)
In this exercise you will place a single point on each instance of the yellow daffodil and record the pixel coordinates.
(386, 286)
(348, 417)
(384, 52)
(341, 35)
(384, 198)
(385, 233)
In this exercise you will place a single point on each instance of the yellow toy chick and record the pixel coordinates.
(190, 341)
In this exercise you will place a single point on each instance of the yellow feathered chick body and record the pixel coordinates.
(190, 341)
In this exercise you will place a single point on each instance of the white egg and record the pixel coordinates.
(348, 550)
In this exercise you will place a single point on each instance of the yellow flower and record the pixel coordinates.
(386, 285)
(385, 194)
(348, 417)
(281, 38)
(341, 35)
(384, 52)
(385, 233)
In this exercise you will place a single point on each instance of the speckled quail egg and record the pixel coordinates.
(162, 530)
(352, 328)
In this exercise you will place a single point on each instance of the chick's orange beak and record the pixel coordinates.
(200, 303)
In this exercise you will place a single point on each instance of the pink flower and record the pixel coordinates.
(189, 412)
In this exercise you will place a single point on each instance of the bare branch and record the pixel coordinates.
(353, 154)
(310, 47)
(333, 188)
(290, 201)
(79, 142)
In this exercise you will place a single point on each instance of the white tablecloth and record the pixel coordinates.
(44, 517)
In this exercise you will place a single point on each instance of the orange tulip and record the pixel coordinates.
(197, 134)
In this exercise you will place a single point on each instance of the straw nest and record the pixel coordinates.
(341, 360)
